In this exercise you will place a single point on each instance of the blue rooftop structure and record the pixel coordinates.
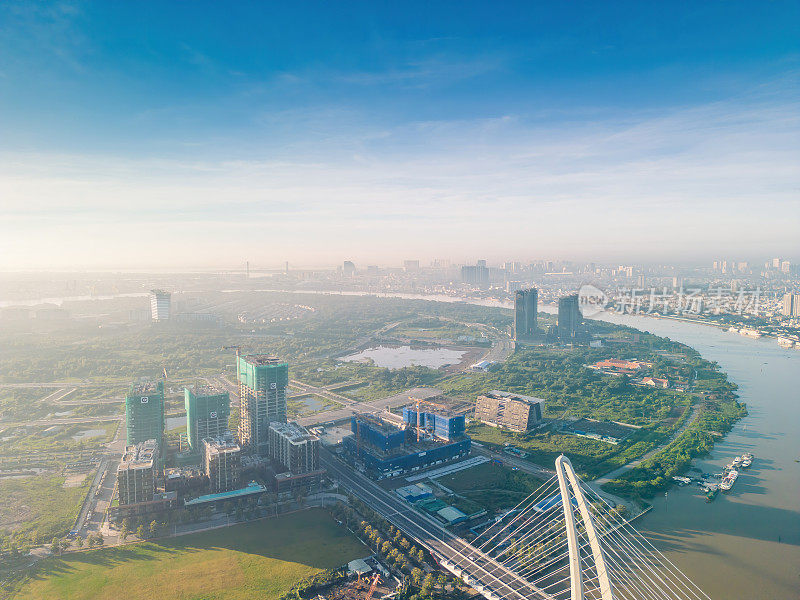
(251, 488)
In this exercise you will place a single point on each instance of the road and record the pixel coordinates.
(519, 463)
(617, 472)
(494, 577)
(337, 414)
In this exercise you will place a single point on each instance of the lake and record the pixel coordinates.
(397, 357)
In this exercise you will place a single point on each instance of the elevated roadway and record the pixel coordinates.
(480, 570)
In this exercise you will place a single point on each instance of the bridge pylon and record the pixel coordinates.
(568, 481)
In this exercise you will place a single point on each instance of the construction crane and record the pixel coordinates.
(238, 350)
(375, 580)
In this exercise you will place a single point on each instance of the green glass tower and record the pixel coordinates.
(263, 381)
(207, 412)
(144, 412)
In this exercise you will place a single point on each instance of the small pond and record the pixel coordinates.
(397, 357)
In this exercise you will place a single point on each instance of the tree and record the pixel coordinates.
(55, 546)
(79, 541)
(153, 528)
(140, 532)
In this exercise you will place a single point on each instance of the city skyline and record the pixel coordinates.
(582, 131)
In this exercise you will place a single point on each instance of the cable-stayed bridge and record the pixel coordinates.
(544, 548)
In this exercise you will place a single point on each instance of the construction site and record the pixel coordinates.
(430, 432)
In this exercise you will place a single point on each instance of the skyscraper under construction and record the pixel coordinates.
(263, 380)
(144, 412)
(526, 313)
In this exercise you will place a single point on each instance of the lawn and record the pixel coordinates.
(39, 507)
(262, 559)
(491, 486)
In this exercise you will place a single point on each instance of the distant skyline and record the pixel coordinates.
(200, 135)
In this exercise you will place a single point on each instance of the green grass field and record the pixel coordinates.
(491, 486)
(262, 559)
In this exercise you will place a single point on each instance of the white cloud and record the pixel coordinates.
(716, 179)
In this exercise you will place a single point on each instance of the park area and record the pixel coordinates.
(261, 559)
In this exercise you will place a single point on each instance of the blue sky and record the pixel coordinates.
(212, 133)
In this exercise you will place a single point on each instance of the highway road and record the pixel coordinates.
(372, 406)
(495, 578)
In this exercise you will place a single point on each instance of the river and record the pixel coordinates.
(731, 546)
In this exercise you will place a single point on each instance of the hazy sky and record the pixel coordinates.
(148, 134)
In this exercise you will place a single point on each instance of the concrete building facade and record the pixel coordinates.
(160, 305)
(513, 411)
(222, 459)
(136, 473)
(294, 447)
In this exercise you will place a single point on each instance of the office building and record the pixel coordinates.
(136, 473)
(349, 268)
(144, 412)
(526, 309)
(293, 447)
(569, 316)
(513, 411)
(207, 412)
(791, 305)
(160, 302)
(263, 380)
(411, 266)
(223, 462)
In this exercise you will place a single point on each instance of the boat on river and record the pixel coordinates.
(728, 481)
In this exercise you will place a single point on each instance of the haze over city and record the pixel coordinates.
(374, 300)
(196, 136)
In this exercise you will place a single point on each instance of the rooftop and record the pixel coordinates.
(139, 456)
(293, 432)
(222, 443)
(513, 396)
(440, 405)
(207, 389)
(261, 359)
(146, 387)
(251, 488)
(376, 423)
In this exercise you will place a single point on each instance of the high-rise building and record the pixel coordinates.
(207, 412)
(293, 447)
(526, 313)
(223, 462)
(144, 412)
(476, 275)
(348, 268)
(263, 380)
(136, 473)
(776, 263)
(514, 411)
(791, 305)
(411, 265)
(786, 267)
(160, 305)
(569, 316)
